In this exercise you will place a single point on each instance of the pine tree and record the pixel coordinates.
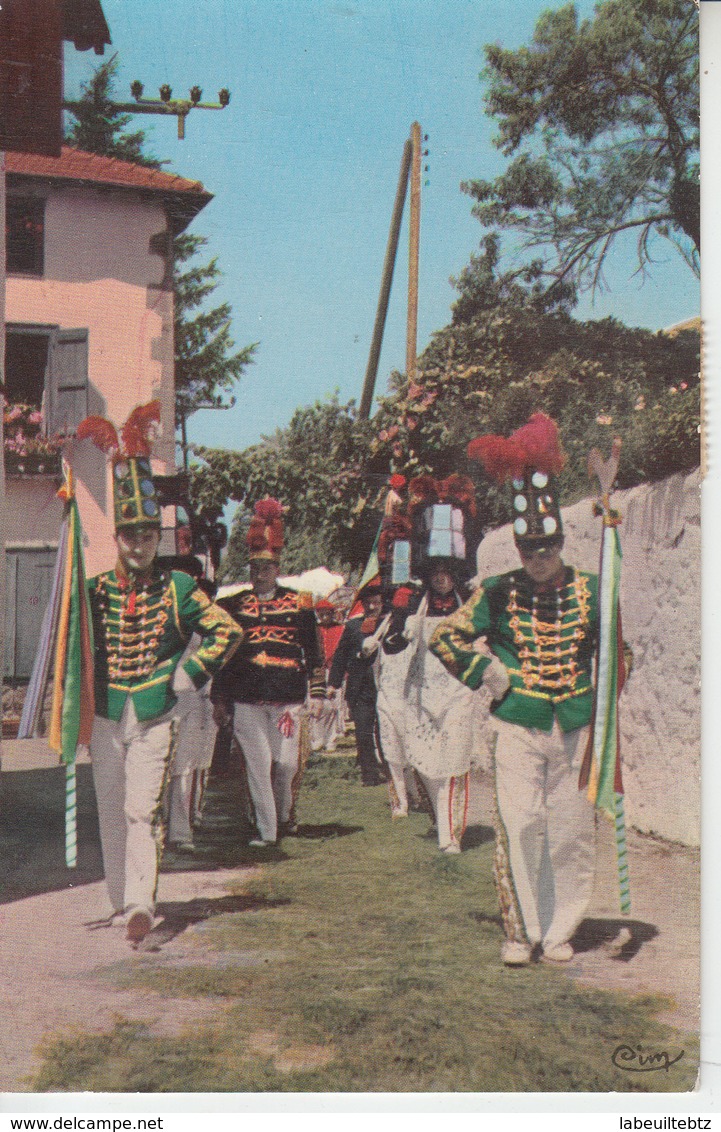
(99, 127)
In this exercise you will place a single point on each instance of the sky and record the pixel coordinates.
(304, 165)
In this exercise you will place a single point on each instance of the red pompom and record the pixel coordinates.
(397, 481)
(102, 433)
(423, 489)
(268, 509)
(402, 597)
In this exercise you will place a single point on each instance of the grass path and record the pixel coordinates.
(359, 958)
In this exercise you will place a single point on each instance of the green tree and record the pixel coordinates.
(99, 127)
(206, 369)
(511, 350)
(206, 365)
(320, 466)
(601, 119)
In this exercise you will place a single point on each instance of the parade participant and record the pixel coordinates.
(529, 636)
(356, 666)
(327, 727)
(143, 616)
(194, 748)
(424, 713)
(265, 686)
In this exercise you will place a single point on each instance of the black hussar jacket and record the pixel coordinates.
(361, 685)
(280, 654)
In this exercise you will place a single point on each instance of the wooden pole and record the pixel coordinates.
(386, 280)
(414, 253)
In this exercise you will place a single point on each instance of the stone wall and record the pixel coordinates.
(661, 608)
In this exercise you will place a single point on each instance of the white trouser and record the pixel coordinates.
(130, 765)
(196, 739)
(325, 729)
(447, 796)
(272, 761)
(545, 840)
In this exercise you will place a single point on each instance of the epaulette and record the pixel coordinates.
(305, 600)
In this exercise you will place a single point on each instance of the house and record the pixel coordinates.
(89, 329)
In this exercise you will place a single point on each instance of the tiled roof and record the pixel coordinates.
(76, 165)
(183, 199)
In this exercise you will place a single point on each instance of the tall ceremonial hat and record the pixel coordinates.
(135, 501)
(441, 512)
(265, 534)
(529, 458)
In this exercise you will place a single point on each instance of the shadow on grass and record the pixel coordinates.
(592, 935)
(177, 915)
(477, 835)
(329, 830)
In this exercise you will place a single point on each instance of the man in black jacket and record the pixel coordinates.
(266, 687)
(352, 660)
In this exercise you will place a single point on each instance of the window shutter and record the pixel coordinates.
(67, 387)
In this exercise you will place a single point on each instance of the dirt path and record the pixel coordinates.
(58, 975)
(663, 956)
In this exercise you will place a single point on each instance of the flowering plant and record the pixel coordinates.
(23, 432)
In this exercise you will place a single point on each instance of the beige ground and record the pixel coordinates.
(53, 967)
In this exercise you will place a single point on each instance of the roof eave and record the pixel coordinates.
(85, 26)
(181, 207)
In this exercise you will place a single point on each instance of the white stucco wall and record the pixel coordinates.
(101, 275)
(661, 610)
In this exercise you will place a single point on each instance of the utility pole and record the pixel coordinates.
(414, 254)
(386, 280)
(166, 104)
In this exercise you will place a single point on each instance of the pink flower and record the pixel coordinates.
(683, 385)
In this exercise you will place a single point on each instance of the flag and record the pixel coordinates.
(66, 648)
(601, 770)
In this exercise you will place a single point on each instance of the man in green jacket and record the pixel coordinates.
(529, 636)
(143, 618)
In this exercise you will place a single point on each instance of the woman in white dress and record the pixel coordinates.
(425, 713)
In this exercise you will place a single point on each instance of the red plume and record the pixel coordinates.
(540, 441)
(397, 481)
(460, 490)
(102, 432)
(138, 432)
(535, 445)
(503, 459)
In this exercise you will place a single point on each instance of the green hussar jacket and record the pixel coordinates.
(545, 637)
(140, 633)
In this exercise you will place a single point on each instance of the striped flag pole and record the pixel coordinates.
(601, 770)
(66, 647)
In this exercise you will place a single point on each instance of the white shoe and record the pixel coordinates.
(559, 953)
(259, 843)
(454, 847)
(514, 953)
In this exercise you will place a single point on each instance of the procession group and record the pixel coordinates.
(423, 636)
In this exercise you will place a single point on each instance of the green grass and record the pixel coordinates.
(385, 956)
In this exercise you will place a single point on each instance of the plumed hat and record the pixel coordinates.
(441, 511)
(530, 458)
(135, 502)
(265, 533)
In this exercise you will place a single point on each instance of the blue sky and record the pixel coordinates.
(304, 165)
